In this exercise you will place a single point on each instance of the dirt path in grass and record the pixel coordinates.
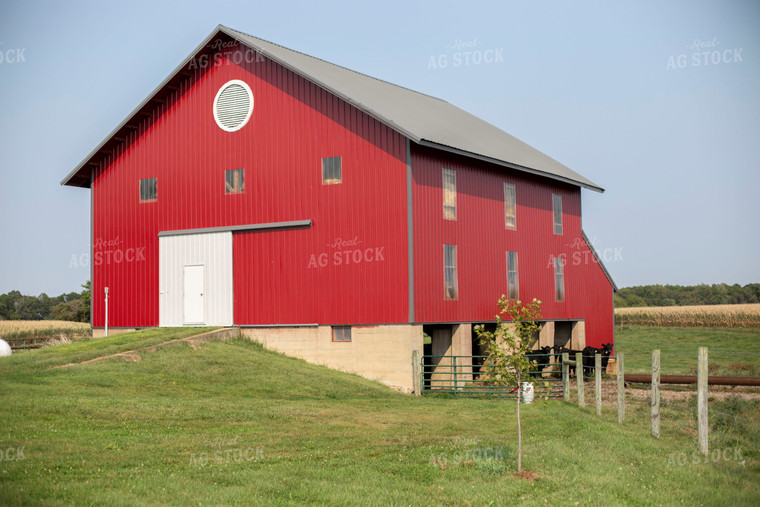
(133, 356)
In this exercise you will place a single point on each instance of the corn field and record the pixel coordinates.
(18, 329)
(747, 315)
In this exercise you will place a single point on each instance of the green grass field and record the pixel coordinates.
(231, 423)
(731, 351)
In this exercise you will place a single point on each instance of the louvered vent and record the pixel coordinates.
(233, 106)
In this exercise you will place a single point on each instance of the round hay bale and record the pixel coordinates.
(5, 349)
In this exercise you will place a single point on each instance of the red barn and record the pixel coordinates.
(330, 215)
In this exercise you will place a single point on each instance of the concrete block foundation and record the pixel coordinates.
(382, 353)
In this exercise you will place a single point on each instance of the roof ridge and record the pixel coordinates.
(335, 64)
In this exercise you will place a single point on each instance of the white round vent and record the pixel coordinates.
(233, 105)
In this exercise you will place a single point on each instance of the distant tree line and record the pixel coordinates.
(679, 295)
(72, 306)
(75, 306)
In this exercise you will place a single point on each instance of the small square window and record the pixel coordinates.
(331, 171)
(450, 285)
(341, 333)
(234, 183)
(557, 212)
(510, 206)
(449, 194)
(148, 190)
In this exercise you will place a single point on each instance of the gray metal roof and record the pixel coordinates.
(424, 119)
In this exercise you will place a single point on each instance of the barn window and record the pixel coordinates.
(341, 333)
(559, 279)
(450, 288)
(513, 282)
(233, 105)
(233, 181)
(510, 206)
(331, 171)
(449, 194)
(557, 208)
(148, 190)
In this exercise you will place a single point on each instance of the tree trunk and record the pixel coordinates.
(519, 429)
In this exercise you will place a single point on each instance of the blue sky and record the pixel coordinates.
(601, 87)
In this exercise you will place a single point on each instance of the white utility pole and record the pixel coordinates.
(106, 311)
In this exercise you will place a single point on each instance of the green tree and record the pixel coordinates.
(507, 349)
(67, 311)
(84, 314)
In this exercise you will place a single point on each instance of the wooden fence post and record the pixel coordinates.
(620, 388)
(702, 400)
(565, 375)
(656, 393)
(579, 376)
(598, 382)
(417, 372)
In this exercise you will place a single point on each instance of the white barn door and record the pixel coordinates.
(195, 279)
(194, 287)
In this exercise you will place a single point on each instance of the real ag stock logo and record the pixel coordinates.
(12, 453)
(463, 53)
(13, 55)
(704, 53)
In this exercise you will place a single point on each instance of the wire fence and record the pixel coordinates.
(727, 418)
(726, 415)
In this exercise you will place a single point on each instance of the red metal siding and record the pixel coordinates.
(350, 267)
(483, 242)
(294, 125)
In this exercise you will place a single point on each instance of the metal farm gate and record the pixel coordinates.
(464, 376)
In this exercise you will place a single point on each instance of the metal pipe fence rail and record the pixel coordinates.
(465, 376)
(28, 343)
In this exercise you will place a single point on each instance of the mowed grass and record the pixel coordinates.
(731, 351)
(231, 423)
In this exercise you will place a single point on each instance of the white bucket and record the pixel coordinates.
(527, 392)
(5, 349)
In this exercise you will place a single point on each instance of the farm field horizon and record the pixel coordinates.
(229, 422)
(735, 315)
(10, 327)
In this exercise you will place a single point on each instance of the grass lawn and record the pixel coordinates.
(731, 351)
(233, 423)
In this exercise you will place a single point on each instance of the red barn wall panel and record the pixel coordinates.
(294, 124)
(483, 242)
(350, 266)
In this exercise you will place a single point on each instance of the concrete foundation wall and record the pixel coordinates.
(382, 353)
(546, 335)
(578, 336)
(451, 340)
